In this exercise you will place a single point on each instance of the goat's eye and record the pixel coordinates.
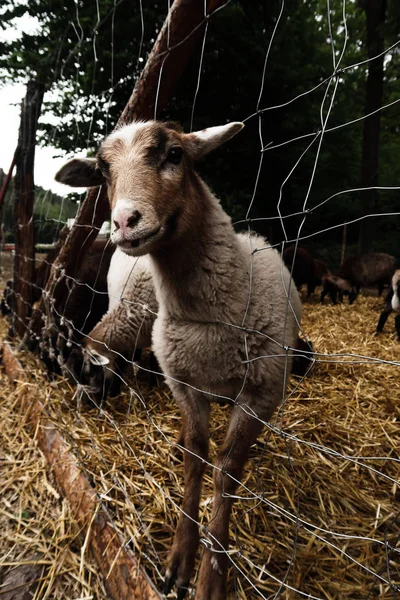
(175, 155)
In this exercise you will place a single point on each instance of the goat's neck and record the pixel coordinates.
(198, 269)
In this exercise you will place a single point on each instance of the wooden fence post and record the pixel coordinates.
(171, 53)
(24, 196)
(7, 179)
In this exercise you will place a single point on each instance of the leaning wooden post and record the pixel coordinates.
(172, 51)
(7, 179)
(24, 196)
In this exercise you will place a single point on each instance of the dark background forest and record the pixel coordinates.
(88, 60)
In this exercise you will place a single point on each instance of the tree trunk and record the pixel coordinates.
(344, 244)
(171, 53)
(376, 13)
(24, 196)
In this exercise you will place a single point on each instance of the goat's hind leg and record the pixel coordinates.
(195, 410)
(383, 318)
(242, 433)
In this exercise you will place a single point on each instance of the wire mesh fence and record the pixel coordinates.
(315, 514)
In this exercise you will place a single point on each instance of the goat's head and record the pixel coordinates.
(147, 168)
(93, 370)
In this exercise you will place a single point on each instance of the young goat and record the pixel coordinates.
(228, 314)
(335, 287)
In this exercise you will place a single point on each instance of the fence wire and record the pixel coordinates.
(316, 514)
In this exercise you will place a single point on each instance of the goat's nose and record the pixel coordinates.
(127, 219)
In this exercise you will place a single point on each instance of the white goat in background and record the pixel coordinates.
(122, 332)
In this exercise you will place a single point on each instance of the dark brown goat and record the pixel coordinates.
(336, 287)
(375, 269)
(321, 271)
(305, 270)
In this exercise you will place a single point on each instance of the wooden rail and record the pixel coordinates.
(123, 578)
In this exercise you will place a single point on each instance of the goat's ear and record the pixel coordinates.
(98, 359)
(80, 172)
(202, 142)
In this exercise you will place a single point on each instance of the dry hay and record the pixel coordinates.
(309, 499)
(37, 532)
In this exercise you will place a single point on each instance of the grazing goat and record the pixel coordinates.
(321, 271)
(124, 329)
(303, 269)
(335, 286)
(303, 358)
(365, 270)
(392, 304)
(228, 314)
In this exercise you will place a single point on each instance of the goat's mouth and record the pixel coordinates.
(139, 243)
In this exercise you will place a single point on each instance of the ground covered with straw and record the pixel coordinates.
(317, 515)
(38, 536)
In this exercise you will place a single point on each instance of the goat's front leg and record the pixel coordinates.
(195, 410)
(242, 433)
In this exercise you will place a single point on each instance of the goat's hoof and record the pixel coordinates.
(169, 582)
(182, 590)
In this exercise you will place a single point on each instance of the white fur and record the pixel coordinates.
(122, 268)
(215, 133)
(395, 303)
(127, 133)
(132, 307)
(132, 310)
(395, 287)
(212, 137)
(98, 359)
(215, 564)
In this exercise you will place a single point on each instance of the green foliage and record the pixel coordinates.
(88, 60)
(50, 214)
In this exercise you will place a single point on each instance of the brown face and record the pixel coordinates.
(144, 165)
(147, 167)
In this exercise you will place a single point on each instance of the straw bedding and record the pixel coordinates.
(319, 482)
(38, 537)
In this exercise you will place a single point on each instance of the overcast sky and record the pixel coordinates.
(46, 164)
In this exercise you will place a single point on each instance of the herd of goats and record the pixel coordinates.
(176, 277)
